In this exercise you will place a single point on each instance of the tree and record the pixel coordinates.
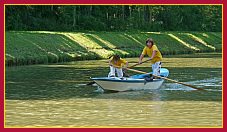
(114, 18)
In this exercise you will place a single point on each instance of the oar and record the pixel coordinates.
(139, 63)
(90, 83)
(134, 66)
(165, 79)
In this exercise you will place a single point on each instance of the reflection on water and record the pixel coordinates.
(57, 96)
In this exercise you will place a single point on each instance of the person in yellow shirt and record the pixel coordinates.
(116, 64)
(155, 56)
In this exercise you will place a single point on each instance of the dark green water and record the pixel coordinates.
(57, 96)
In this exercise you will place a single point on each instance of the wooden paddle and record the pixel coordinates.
(90, 83)
(139, 63)
(134, 66)
(165, 79)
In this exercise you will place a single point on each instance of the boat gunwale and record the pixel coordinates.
(125, 81)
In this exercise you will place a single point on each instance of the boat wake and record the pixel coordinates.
(98, 90)
(211, 84)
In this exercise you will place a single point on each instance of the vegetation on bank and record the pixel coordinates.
(42, 47)
(114, 17)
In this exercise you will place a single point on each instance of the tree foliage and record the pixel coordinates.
(114, 18)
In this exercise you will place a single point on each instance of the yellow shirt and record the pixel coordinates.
(119, 63)
(148, 51)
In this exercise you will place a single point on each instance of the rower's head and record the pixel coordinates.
(116, 57)
(149, 42)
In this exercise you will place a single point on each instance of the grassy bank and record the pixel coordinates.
(38, 47)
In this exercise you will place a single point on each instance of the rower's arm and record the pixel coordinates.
(153, 54)
(126, 65)
(141, 58)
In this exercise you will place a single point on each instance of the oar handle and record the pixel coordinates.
(165, 78)
(133, 65)
(139, 63)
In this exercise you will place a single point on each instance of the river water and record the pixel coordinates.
(56, 95)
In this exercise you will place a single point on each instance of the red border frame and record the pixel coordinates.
(113, 2)
(2, 2)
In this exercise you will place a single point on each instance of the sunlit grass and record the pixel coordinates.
(200, 40)
(108, 44)
(182, 42)
(205, 35)
(10, 56)
(134, 39)
(152, 32)
(38, 47)
(82, 40)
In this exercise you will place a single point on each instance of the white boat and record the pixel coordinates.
(135, 82)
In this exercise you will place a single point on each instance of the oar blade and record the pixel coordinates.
(90, 83)
(167, 79)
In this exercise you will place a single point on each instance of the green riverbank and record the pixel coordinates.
(42, 47)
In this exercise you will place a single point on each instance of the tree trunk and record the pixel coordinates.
(130, 11)
(123, 13)
(151, 15)
(74, 16)
(52, 7)
(90, 10)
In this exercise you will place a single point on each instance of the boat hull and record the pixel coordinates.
(135, 82)
(126, 85)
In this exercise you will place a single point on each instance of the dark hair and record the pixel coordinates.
(150, 40)
(116, 57)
